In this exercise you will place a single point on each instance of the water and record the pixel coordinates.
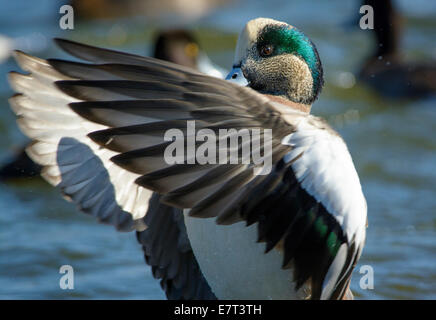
(392, 143)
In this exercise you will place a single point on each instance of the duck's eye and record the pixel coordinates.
(191, 50)
(266, 50)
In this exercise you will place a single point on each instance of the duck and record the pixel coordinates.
(182, 47)
(180, 10)
(385, 71)
(101, 129)
(175, 45)
(19, 166)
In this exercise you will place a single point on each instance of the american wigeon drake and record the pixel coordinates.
(214, 230)
(385, 70)
(175, 45)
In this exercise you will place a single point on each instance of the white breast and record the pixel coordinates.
(235, 265)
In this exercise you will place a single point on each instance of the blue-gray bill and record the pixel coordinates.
(236, 76)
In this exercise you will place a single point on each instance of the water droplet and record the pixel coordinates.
(346, 80)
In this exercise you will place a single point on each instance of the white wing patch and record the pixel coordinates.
(326, 171)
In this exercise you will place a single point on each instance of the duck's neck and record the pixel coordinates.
(294, 105)
(387, 27)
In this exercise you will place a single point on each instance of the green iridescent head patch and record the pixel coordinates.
(287, 39)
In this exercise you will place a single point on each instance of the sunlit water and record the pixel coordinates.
(393, 145)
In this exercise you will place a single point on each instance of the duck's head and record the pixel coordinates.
(276, 58)
(178, 46)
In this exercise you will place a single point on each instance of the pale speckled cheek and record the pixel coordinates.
(286, 75)
(300, 78)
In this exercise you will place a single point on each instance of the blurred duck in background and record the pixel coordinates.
(386, 71)
(20, 166)
(178, 9)
(180, 46)
(175, 45)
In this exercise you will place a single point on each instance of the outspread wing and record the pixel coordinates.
(83, 172)
(310, 205)
(71, 160)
